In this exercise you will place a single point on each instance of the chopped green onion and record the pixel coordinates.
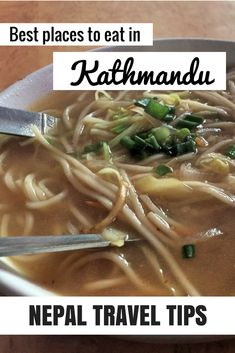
(188, 251)
(161, 134)
(189, 121)
(168, 118)
(171, 115)
(106, 151)
(93, 148)
(191, 145)
(119, 128)
(194, 118)
(96, 147)
(163, 169)
(182, 134)
(127, 142)
(186, 147)
(153, 142)
(181, 124)
(144, 134)
(141, 143)
(171, 109)
(156, 109)
(181, 148)
(164, 139)
(142, 102)
(230, 151)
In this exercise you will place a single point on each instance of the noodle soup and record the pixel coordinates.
(153, 165)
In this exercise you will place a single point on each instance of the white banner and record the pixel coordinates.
(139, 70)
(117, 315)
(46, 34)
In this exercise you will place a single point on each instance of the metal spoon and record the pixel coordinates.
(18, 122)
(21, 245)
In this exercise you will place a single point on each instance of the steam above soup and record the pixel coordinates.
(160, 166)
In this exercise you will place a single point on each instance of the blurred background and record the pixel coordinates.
(170, 19)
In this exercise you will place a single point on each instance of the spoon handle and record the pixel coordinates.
(19, 122)
(12, 246)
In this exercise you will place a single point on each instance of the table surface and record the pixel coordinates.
(171, 19)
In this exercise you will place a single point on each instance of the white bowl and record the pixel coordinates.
(23, 93)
